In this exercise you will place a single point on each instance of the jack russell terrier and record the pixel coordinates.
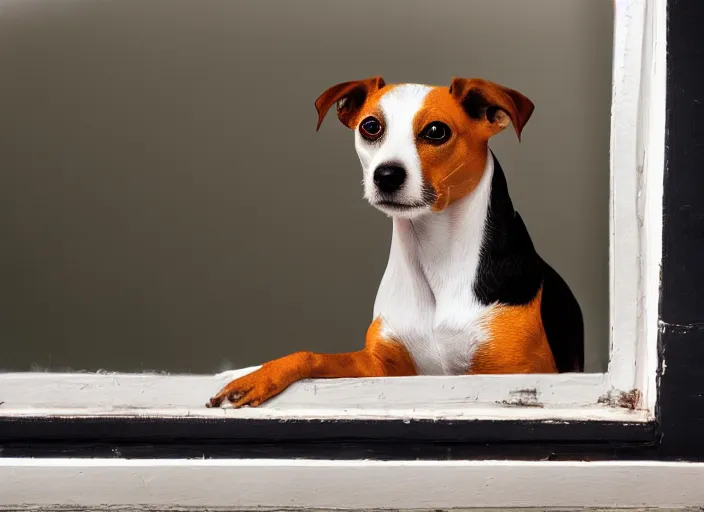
(464, 290)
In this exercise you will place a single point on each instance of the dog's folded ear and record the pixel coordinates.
(494, 103)
(348, 97)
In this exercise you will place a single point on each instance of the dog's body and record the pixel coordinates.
(464, 290)
(475, 307)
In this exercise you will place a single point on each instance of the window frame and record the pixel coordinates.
(618, 406)
(145, 461)
(624, 393)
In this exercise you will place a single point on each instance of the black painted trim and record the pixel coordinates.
(681, 384)
(338, 450)
(325, 439)
(262, 431)
(677, 433)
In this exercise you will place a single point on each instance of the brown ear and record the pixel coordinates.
(484, 99)
(348, 97)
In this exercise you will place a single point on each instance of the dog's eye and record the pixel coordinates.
(370, 128)
(436, 132)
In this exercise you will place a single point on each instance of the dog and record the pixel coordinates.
(464, 291)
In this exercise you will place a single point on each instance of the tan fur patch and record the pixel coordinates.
(454, 168)
(517, 342)
(371, 106)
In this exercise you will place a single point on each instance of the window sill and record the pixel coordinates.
(349, 485)
(567, 397)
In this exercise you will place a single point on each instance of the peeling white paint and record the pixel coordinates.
(637, 146)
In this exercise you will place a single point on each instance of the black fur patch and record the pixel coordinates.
(511, 272)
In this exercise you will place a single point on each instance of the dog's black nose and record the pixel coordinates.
(389, 178)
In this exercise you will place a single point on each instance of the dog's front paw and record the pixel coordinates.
(251, 390)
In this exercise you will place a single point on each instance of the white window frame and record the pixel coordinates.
(626, 392)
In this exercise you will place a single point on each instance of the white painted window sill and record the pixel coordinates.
(565, 396)
(351, 485)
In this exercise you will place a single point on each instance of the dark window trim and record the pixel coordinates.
(680, 410)
(675, 434)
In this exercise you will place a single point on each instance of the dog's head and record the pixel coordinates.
(423, 147)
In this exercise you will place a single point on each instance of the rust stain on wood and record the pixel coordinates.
(624, 399)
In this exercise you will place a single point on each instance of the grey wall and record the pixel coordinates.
(166, 204)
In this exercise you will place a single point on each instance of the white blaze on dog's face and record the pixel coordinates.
(392, 170)
(423, 147)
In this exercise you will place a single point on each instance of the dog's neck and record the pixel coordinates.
(447, 245)
(447, 268)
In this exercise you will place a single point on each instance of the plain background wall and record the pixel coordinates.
(165, 201)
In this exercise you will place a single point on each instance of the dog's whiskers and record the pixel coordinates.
(447, 197)
(453, 172)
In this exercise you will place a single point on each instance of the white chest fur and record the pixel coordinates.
(426, 297)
